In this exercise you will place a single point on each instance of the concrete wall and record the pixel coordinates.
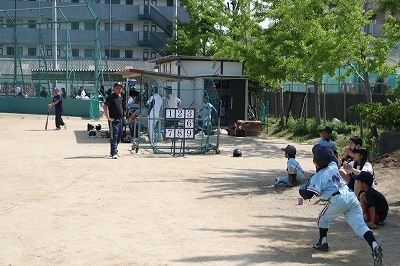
(389, 142)
(72, 107)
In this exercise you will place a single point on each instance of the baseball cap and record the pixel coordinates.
(327, 129)
(118, 84)
(289, 149)
(56, 89)
(168, 88)
(322, 155)
(365, 177)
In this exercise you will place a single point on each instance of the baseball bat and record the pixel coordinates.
(47, 120)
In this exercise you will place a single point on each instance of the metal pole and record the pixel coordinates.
(54, 25)
(15, 42)
(175, 34)
(109, 49)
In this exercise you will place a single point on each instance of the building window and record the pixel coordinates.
(145, 55)
(128, 54)
(115, 26)
(10, 23)
(114, 53)
(146, 2)
(75, 25)
(31, 24)
(153, 28)
(49, 25)
(89, 25)
(1, 50)
(31, 51)
(89, 52)
(75, 52)
(153, 55)
(49, 52)
(10, 50)
(170, 2)
(74, 1)
(115, 2)
(129, 2)
(128, 27)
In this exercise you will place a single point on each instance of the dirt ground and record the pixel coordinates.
(63, 201)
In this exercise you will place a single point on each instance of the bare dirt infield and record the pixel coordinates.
(64, 202)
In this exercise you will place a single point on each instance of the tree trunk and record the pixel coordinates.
(317, 102)
(368, 92)
(282, 110)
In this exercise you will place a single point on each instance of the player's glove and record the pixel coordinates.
(304, 193)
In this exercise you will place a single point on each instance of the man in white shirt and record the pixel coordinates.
(171, 100)
(155, 100)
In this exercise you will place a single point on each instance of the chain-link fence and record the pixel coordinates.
(174, 117)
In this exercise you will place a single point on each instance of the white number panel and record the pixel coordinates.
(175, 130)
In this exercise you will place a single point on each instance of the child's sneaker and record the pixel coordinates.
(377, 255)
(321, 247)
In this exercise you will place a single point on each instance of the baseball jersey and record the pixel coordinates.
(155, 111)
(327, 143)
(293, 162)
(327, 181)
(207, 108)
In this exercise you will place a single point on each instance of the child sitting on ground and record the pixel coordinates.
(295, 172)
(373, 204)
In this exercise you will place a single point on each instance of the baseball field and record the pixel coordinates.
(63, 201)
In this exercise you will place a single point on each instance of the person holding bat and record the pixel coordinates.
(58, 104)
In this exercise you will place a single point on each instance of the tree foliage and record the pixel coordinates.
(305, 39)
(376, 114)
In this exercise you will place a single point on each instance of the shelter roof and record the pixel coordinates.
(138, 74)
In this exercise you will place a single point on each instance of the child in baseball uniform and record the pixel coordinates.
(206, 110)
(295, 172)
(374, 205)
(328, 184)
(326, 134)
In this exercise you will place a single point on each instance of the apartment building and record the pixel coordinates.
(129, 29)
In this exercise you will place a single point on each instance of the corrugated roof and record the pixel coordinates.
(27, 65)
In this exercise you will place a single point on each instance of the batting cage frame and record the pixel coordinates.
(182, 129)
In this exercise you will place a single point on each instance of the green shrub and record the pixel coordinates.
(344, 128)
(312, 128)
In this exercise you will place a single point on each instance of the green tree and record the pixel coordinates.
(364, 53)
(197, 36)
